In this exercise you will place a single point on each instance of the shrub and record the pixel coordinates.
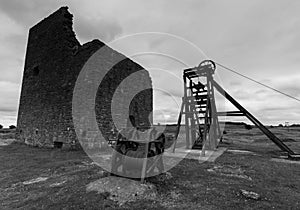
(248, 127)
(1, 126)
(12, 127)
(280, 125)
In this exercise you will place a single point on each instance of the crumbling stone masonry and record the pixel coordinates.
(53, 61)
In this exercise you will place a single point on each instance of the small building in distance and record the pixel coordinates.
(54, 59)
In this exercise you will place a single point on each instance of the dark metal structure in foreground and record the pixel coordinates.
(201, 115)
(137, 157)
(137, 151)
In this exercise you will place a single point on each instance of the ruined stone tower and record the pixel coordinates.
(53, 61)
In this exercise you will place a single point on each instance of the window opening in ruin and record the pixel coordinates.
(36, 71)
(57, 144)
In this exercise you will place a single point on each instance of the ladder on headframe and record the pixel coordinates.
(199, 108)
(201, 116)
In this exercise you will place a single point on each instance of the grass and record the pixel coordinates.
(192, 186)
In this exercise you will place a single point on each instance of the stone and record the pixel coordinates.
(250, 195)
(54, 59)
(122, 190)
(36, 180)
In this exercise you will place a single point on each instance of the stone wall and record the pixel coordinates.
(53, 61)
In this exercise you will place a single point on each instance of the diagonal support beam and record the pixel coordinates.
(266, 131)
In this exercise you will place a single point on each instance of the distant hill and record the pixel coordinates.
(7, 130)
(233, 123)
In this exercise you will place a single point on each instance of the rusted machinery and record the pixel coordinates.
(137, 152)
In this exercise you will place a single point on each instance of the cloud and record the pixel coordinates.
(234, 83)
(9, 93)
(257, 38)
(26, 13)
(7, 109)
(172, 93)
(103, 28)
(165, 116)
(11, 69)
(288, 84)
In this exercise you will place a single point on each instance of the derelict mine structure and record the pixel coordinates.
(54, 58)
(201, 115)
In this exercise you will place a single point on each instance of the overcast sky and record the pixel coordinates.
(257, 38)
